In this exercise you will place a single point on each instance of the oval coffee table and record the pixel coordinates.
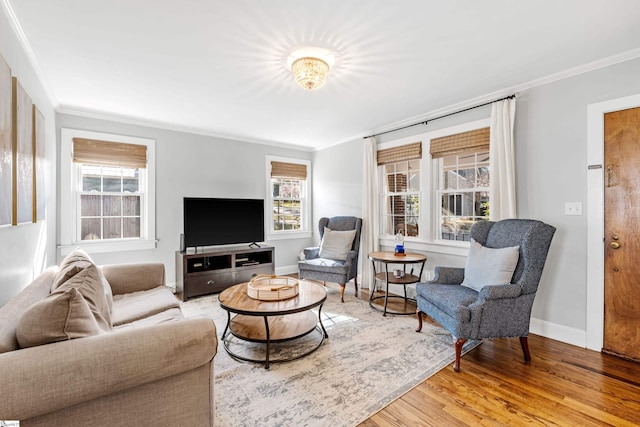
(272, 321)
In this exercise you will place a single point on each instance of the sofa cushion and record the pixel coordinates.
(138, 305)
(74, 263)
(63, 315)
(170, 315)
(91, 284)
(488, 266)
(451, 299)
(14, 308)
(336, 244)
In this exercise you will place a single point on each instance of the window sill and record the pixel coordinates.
(286, 235)
(441, 246)
(103, 247)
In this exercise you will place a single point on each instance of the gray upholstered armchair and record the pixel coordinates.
(494, 310)
(336, 268)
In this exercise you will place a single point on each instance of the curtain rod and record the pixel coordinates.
(441, 117)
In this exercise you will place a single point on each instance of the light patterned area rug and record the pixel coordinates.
(367, 362)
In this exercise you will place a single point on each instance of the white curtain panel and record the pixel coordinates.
(370, 211)
(502, 187)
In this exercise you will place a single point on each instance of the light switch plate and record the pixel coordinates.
(573, 208)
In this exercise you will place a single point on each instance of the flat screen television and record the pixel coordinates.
(216, 221)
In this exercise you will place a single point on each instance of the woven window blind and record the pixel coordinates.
(288, 170)
(475, 140)
(106, 153)
(399, 154)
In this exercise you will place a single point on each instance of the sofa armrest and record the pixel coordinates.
(51, 377)
(127, 278)
(448, 276)
(311, 253)
(493, 292)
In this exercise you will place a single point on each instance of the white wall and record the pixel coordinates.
(26, 249)
(196, 166)
(551, 138)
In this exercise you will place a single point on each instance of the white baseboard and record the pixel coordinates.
(287, 269)
(558, 332)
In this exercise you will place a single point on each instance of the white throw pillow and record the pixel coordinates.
(336, 244)
(488, 266)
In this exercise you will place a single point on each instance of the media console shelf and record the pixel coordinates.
(214, 270)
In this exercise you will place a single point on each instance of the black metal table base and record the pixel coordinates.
(386, 311)
(228, 334)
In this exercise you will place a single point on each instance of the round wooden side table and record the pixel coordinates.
(388, 277)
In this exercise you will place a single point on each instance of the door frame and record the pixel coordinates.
(595, 215)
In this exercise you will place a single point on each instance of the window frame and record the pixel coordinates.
(429, 184)
(70, 188)
(305, 205)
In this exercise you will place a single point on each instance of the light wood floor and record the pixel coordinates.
(563, 385)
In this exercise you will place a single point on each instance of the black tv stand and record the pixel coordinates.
(254, 244)
(215, 269)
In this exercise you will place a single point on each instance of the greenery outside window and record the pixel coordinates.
(288, 203)
(400, 204)
(462, 190)
(401, 198)
(463, 193)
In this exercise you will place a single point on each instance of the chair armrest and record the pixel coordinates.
(351, 256)
(311, 253)
(50, 377)
(499, 292)
(127, 278)
(448, 276)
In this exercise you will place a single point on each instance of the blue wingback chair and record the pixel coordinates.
(329, 270)
(500, 310)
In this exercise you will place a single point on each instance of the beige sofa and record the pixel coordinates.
(145, 366)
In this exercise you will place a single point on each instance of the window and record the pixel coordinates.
(401, 184)
(109, 200)
(462, 162)
(433, 196)
(107, 192)
(288, 199)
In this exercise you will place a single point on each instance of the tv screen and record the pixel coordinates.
(214, 221)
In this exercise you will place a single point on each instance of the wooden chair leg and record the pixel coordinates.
(342, 285)
(524, 343)
(458, 346)
(355, 282)
(419, 316)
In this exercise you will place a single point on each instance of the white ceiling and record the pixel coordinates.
(219, 67)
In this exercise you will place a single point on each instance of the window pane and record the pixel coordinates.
(90, 205)
(130, 185)
(468, 172)
(90, 228)
(466, 178)
(131, 206)
(112, 228)
(402, 166)
(390, 168)
(414, 181)
(131, 227)
(112, 184)
(112, 206)
(91, 183)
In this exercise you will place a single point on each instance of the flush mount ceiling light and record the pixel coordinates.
(310, 66)
(310, 73)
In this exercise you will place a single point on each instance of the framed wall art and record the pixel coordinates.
(22, 155)
(6, 144)
(38, 166)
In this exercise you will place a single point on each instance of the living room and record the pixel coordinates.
(553, 158)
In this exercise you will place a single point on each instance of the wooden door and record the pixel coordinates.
(622, 233)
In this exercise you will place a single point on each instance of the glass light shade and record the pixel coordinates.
(310, 73)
